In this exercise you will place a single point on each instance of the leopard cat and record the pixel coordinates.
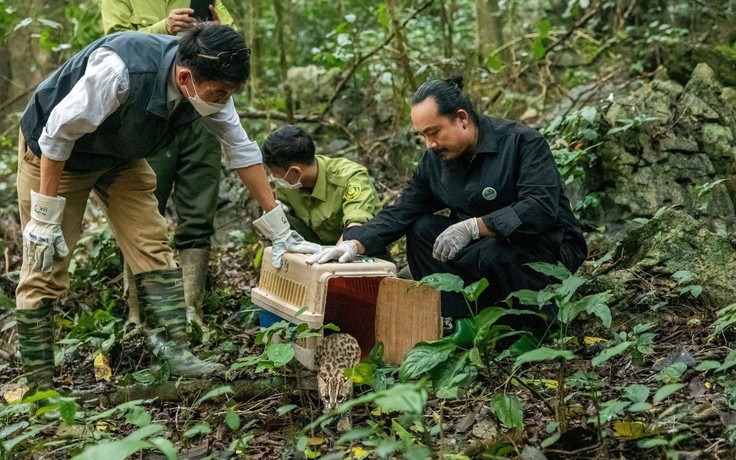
(335, 354)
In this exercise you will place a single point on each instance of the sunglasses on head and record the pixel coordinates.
(226, 58)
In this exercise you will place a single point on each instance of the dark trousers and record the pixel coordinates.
(191, 167)
(502, 263)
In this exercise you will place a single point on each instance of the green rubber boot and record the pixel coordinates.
(161, 299)
(36, 341)
(465, 332)
(194, 264)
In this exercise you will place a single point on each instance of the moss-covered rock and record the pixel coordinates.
(679, 144)
(671, 242)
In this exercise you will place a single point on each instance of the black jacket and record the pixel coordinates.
(510, 180)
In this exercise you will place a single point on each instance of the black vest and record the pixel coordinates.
(138, 128)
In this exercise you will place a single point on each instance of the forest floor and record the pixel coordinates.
(274, 406)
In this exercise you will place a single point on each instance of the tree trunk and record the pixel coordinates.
(283, 64)
(488, 29)
(394, 6)
(446, 23)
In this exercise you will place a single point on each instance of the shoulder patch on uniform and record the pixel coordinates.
(352, 191)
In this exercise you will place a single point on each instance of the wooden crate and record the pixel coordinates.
(406, 314)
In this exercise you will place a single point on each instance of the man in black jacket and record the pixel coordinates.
(500, 183)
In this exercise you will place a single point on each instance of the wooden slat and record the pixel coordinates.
(405, 315)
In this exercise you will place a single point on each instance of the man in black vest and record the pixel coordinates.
(86, 129)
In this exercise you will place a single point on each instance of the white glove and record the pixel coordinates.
(42, 237)
(343, 253)
(454, 238)
(274, 226)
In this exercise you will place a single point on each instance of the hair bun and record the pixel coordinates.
(456, 80)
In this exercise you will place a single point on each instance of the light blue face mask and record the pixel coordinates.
(281, 182)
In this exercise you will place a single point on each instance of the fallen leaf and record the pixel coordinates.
(102, 368)
(359, 453)
(15, 395)
(316, 441)
(593, 340)
(629, 429)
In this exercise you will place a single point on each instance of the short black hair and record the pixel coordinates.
(210, 39)
(287, 145)
(449, 96)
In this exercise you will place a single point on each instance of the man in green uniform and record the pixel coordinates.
(324, 195)
(191, 162)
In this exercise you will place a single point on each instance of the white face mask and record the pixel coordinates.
(281, 182)
(202, 107)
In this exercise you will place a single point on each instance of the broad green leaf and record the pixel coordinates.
(651, 443)
(636, 393)
(443, 375)
(286, 409)
(200, 428)
(640, 407)
(165, 446)
(302, 443)
(404, 398)
(115, 450)
(67, 410)
(9, 444)
(609, 353)
(543, 354)
(707, 366)
(666, 391)
(588, 114)
(443, 282)
(473, 291)
(401, 432)
(672, 373)
(376, 354)
(558, 271)
(146, 431)
(610, 409)
(538, 49)
(508, 410)
(280, 354)
(423, 358)
(362, 373)
(544, 28)
(356, 434)
(40, 396)
(232, 420)
(570, 286)
(213, 393)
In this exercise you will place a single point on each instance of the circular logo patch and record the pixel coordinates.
(489, 193)
(352, 191)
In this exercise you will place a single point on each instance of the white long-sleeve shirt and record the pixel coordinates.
(101, 91)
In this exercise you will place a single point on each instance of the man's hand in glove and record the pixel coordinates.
(42, 237)
(454, 238)
(274, 226)
(343, 253)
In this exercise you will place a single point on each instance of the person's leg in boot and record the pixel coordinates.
(38, 289)
(194, 265)
(161, 298)
(134, 315)
(195, 176)
(36, 341)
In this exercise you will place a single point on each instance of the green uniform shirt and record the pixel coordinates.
(343, 194)
(146, 15)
